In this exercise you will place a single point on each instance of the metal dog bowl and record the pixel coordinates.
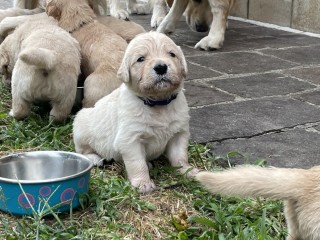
(43, 180)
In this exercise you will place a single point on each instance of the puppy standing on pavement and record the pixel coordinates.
(299, 188)
(201, 15)
(147, 116)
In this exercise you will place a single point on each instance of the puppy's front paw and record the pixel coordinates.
(120, 13)
(140, 9)
(145, 186)
(210, 43)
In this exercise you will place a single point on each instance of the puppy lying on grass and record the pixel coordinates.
(45, 64)
(299, 188)
(147, 116)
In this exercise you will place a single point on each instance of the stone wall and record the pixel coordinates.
(298, 14)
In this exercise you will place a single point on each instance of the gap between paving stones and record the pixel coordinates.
(306, 126)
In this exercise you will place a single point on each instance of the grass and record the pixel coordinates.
(179, 209)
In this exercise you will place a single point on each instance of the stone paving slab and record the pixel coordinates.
(242, 62)
(263, 85)
(297, 147)
(250, 118)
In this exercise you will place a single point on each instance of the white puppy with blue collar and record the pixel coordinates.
(144, 118)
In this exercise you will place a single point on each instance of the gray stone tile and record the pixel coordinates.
(241, 62)
(271, 11)
(292, 148)
(261, 85)
(301, 55)
(311, 97)
(199, 95)
(195, 72)
(311, 74)
(249, 118)
(251, 42)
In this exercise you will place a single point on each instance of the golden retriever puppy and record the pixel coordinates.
(147, 116)
(102, 49)
(299, 188)
(201, 15)
(46, 63)
(126, 29)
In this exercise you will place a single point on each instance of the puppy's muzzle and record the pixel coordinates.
(161, 68)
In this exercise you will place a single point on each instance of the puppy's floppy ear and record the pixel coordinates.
(183, 62)
(53, 10)
(124, 70)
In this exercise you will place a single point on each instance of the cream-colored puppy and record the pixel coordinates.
(299, 188)
(46, 63)
(126, 29)
(147, 116)
(201, 15)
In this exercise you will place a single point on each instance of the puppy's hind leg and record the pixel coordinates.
(60, 110)
(159, 12)
(168, 25)
(177, 153)
(20, 108)
(97, 85)
(220, 11)
(81, 137)
(117, 11)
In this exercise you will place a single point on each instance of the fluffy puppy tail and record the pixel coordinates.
(39, 57)
(252, 181)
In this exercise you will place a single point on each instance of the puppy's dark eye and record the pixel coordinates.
(140, 59)
(172, 54)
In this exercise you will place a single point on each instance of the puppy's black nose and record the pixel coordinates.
(161, 69)
(202, 28)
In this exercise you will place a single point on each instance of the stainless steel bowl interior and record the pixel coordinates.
(42, 166)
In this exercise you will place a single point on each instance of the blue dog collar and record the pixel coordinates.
(163, 102)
